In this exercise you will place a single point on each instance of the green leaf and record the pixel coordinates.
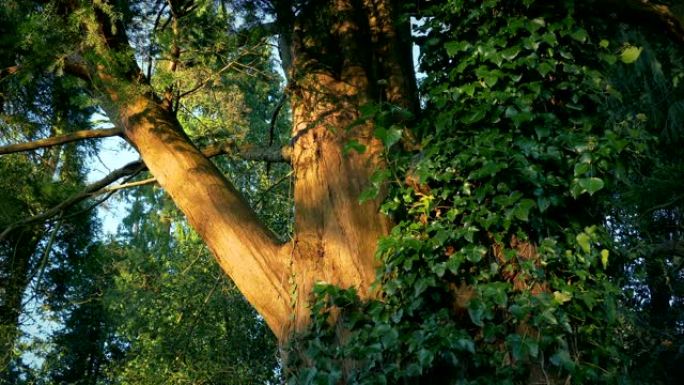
(584, 241)
(562, 358)
(389, 136)
(476, 314)
(581, 168)
(630, 54)
(453, 47)
(522, 209)
(453, 264)
(369, 194)
(544, 68)
(465, 344)
(591, 185)
(604, 258)
(510, 53)
(474, 116)
(561, 297)
(580, 35)
(425, 357)
(353, 145)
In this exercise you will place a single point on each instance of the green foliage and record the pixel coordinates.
(497, 270)
(176, 315)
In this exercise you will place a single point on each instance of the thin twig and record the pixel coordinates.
(129, 185)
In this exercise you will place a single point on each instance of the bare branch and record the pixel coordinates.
(665, 205)
(274, 118)
(127, 170)
(129, 185)
(269, 154)
(61, 139)
(247, 152)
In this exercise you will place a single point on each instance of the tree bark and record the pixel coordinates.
(335, 236)
(248, 252)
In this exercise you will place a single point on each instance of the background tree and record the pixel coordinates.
(31, 109)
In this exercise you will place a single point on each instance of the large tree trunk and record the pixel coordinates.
(335, 235)
(344, 54)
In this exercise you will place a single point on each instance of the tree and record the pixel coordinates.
(47, 106)
(352, 92)
(326, 91)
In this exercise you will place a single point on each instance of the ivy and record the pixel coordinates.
(496, 269)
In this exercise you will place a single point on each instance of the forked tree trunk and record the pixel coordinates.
(335, 235)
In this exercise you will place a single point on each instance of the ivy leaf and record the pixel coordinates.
(476, 315)
(388, 136)
(583, 241)
(369, 194)
(465, 344)
(452, 47)
(591, 185)
(581, 168)
(474, 116)
(510, 53)
(562, 358)
(353, 145)
(630, 54)
(522, 209)
(425, 357)
(604, 258)
(561, 297)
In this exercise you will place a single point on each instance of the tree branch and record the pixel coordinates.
(61, 139)
(248, 152)
(639, 11)
(269, 154)
(127, 170)
(122, 186)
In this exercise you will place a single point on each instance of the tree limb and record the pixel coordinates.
(269, 154)
(61, 139)
(640, 11)
(127, 170)
(130, 184)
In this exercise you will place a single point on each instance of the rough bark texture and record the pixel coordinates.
(341, 54)
(247, 251)
(335, 235)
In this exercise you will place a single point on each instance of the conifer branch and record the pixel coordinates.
(269, 154)
(127, 170)
(60, 139)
